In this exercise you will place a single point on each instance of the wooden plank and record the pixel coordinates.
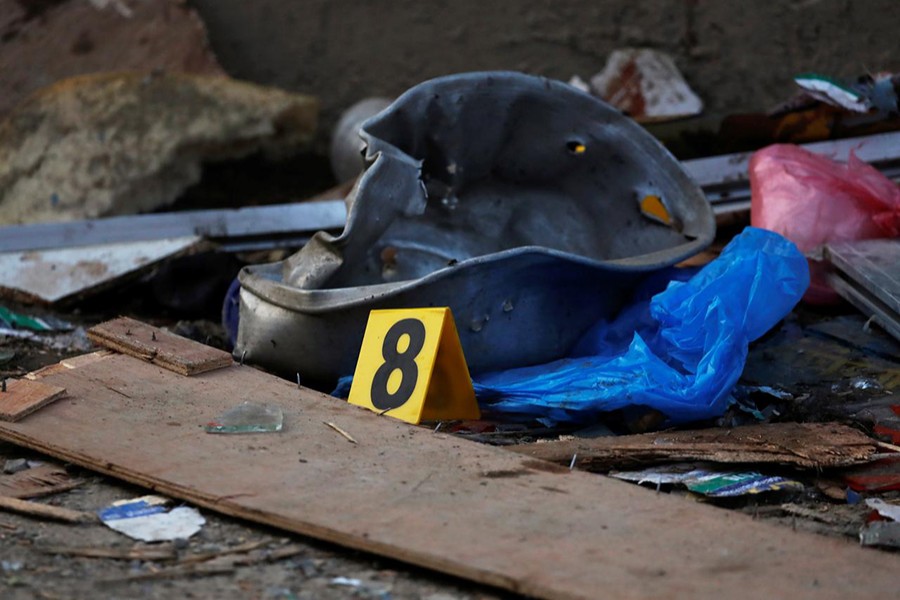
(69, 363)
(142, 553)
(46, 511)
(39, 481)
(810, 445)
(23, 396)
(429, 499)
(162, 348)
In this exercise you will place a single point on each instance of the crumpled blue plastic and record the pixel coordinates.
(680, 351)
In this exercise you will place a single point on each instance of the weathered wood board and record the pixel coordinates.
(39, 481)
(22, 397)
(427, 498)
(165, 349)
(810, 445)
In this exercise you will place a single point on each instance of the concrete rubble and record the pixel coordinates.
(107, 144)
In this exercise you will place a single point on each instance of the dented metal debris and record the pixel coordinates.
(514, 199)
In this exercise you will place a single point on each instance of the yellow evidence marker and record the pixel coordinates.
(411, 367)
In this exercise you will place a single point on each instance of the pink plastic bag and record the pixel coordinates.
(813, 200)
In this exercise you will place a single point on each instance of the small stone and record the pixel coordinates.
(15, 465)
(11, 566)
(308, 567)
(162, 130)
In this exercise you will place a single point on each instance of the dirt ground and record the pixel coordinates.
(738, 56)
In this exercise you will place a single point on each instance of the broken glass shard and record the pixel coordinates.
(248, 417)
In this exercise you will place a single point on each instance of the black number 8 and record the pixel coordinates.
(382, 399)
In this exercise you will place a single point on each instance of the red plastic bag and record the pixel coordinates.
(813, 200)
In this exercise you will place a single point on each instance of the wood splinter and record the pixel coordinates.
(341, 431)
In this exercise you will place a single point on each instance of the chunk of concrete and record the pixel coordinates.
(122, 143)
(43, 42)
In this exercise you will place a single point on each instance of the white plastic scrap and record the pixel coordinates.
(885, 509)
(646, 79)
(663, 475)
(147, 519)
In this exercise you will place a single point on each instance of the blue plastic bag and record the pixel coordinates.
(680, 352)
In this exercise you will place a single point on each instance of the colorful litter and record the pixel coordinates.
(710, 482)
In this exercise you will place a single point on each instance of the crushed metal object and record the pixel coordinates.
(478, 197)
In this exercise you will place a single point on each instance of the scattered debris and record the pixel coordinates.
(808, 445)
(646, 85)
(72, 341)
(162, 348)
(10, 319)
(723, 485)
(813, 200)
(129, 142)
(867, 274)
(70, 274)
(147, 519)
(11, 566)
(38, 481)
(805, 512)
(239, 229)
(165, 552)
(832, 92)
(367, 496)
(248, 417)
(66, 262)
(205, 556)
(45, 511)
(876, 92)
(885, 509)
(39, 44)
(880, 476)
(726, 182)
(21, 397)
(341, 431)
(678, 351)
(15, 465)
(711, 483)
(807, 364)
(880, 533)
(851, 330)
(223, 562)
(433, 210)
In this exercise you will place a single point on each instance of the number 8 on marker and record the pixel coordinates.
(395, 360)
(411, 367)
